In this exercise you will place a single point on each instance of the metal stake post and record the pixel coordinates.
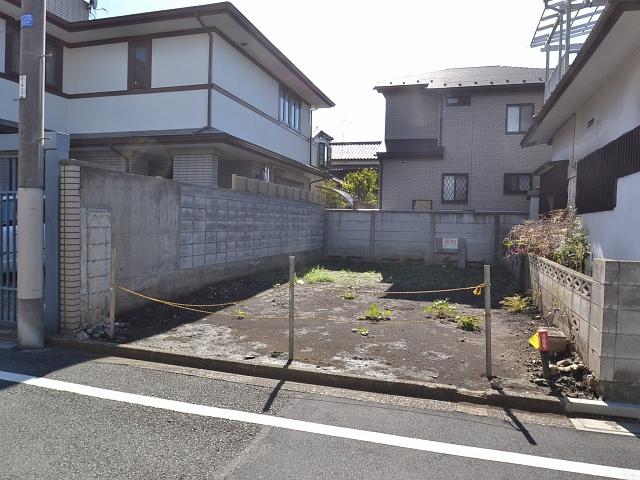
(292, 282)
(487, 317)
(112, 309)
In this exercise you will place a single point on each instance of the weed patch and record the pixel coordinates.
(442, 309)
(376, 314)
(468, 323)
(516, 303)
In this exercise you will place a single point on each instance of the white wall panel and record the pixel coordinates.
(240, 76)
(156, 111)
(179, 61)
(101, 68)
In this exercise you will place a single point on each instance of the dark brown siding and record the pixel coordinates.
(598, 173)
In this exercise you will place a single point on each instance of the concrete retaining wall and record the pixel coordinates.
(170, 238)
(408, 235)
(600, 314)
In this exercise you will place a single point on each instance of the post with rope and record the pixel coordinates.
(112, 302)
(292, 283)
(487, 317)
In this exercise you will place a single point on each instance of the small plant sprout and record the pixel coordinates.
(363, 331)
(319, 274)
(468, 323)
(239, 313)
(442, 309)
(348, 295)
(376, 314)
(516, 303)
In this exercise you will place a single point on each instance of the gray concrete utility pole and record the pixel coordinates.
(31, 176)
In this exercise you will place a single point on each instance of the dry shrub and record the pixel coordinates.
(557, 236)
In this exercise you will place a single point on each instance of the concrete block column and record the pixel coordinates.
(196, 165)
(69, 248)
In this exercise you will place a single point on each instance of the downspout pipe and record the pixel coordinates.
(210, 76)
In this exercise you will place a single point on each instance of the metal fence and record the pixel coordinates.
(8, 243)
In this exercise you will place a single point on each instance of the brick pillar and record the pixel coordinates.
(69, 248)
(196, 165)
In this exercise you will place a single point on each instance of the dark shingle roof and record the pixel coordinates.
(354, 150)
(472, 77)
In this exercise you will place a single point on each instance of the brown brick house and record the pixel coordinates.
(452, 139)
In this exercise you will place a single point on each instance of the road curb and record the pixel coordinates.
(431, 391)
(602, 408)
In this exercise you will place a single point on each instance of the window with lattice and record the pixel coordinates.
(517, 183)
(455, 188)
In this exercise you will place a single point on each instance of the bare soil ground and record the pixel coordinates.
(411, 345)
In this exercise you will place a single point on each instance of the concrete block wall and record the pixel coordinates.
(601, 314)
(95, 265)
(219, 226)
(411, 235)
(171, 238)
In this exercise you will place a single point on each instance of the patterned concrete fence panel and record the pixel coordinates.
(601, 314)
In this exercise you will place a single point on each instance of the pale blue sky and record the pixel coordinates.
(347, 46)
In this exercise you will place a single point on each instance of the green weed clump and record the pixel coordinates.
(239, 313)
(349, 295)
(442, 309)
(468, 323)
(516, 303)
(376, 314)
(319, 274)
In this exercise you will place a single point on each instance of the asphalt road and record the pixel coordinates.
(47, 433)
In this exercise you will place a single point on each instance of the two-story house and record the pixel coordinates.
(592, 118)
(195, 94)
(452, 139)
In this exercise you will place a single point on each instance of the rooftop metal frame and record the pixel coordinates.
(563, 28)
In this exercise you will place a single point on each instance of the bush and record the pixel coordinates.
(319, 275)
(332, 198)
(363, 185)
(468, 323)
(558, 236)
(376, 314)
(516, 303)
(442, 309)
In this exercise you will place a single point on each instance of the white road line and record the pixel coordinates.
(329, 430)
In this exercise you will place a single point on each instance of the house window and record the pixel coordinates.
(463, 101)
(455, 188)
(12, 55)
(519, 117)
(289, 109)
(140, 64)
(53, 65)
(323, 155)
(517, 183)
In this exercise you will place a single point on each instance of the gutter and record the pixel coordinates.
(210, 76)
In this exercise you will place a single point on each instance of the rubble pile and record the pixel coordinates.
(569, 376)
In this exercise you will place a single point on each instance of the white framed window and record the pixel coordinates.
(289, 109)
(519, 118)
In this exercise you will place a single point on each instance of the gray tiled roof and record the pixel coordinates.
(472, 77)
(354, 150)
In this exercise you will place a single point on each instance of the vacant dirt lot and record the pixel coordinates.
(331, 334)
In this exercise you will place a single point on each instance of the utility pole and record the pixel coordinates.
(30, 241)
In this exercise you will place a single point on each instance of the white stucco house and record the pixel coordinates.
(591, 117)
(195, 94)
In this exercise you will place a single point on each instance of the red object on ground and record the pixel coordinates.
(543, 334)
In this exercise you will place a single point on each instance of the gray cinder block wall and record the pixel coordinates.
(170, 238)
(600, 314)
(412, 235)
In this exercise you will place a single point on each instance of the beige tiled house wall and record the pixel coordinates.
(475, 143)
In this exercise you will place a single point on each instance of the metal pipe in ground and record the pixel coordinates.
(292, 283)
(487, 317)
(112, 306)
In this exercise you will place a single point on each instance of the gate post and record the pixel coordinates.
(56, 149)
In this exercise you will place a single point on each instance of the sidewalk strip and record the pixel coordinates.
(329, 430)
